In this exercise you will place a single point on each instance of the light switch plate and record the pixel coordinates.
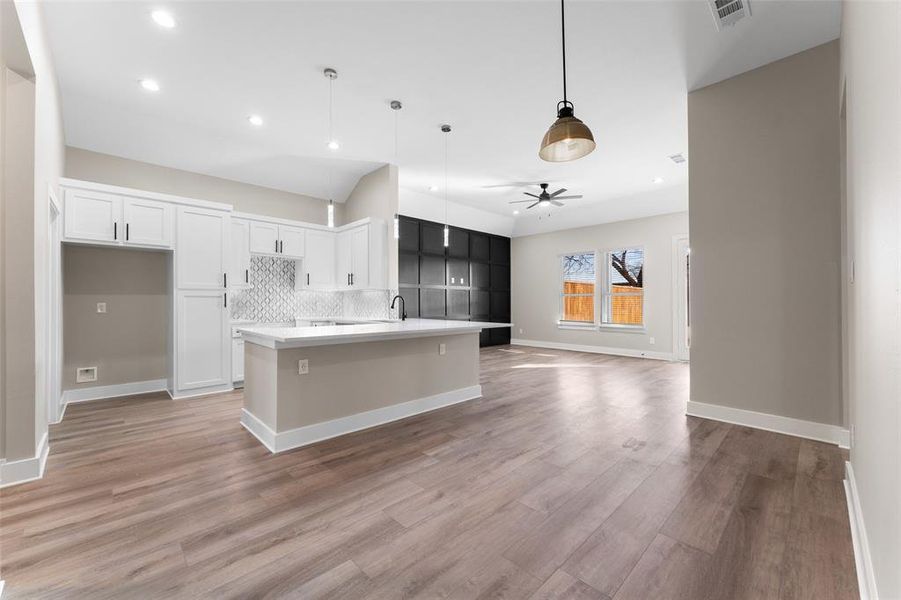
(442, 349)
(101, 307)
(652, 341)
(303, 366)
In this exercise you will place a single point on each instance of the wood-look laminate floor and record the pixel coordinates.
(576, 476)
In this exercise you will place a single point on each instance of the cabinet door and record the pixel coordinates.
(344, 261)
(479, 247)
(359, 248)
(203, 350)
(239, 263)
(319, 259)
(457, 271)
(93, 216)
(147, 222)
(291, 241)
(458, 243)
(431, 238)
(237, 360)
(263, 238)
(202, 252)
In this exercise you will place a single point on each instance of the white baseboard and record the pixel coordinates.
(595, 349)
(14, 472)
(310, 434)
(866, 578)
(206, 391)
(102, 392)
(821, 432)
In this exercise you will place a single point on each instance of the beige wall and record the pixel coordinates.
(384, 373)
(765, 239)
(376, 195)
(536, 284)
(115, 170)
(871, 60)
(128, 343)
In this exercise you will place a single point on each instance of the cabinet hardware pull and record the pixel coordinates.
(225, 300)
(225, 280)
(276, 246)
(308, 279)
(126, 232)
(348, 279)
(281, 246)
(246, 275)
(351, 279)
(115, 230)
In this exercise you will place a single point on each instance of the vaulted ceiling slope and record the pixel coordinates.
(492, 69)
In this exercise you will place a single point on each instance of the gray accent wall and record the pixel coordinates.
(765, 238)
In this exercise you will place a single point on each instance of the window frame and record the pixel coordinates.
(607, 293)
(561, 322)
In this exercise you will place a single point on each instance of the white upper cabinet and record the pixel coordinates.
(264, 238)
(202, 256)
(99, 217)
(362, 261)
(147, 222)
(239, 265)
(273, 239)
(318, 265)
(291, 241)
(92, 216)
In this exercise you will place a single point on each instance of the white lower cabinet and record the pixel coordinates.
(203, 340)
(237, 360)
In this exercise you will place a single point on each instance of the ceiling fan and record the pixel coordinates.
(545, 199)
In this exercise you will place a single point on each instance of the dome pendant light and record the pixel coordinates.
(446, 129)
(568, 138)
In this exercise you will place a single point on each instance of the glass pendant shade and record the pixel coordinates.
(567, 139)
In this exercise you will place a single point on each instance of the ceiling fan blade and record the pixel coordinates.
(531, 194)
(558, 192)
(532, 205)
(555, 203)
(511, 184)
(567, 197)
(519, 201)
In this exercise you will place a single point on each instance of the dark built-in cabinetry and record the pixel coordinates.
(467, 280)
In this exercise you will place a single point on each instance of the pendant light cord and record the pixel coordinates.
(331, 137)
(563, 39)
(445, 178)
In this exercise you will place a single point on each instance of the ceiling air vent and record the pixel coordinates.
(728, 12)
(677, 158)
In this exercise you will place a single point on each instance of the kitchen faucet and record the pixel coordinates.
(403, 306)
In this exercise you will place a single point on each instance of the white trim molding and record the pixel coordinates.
(594, 349)
(821, 432)
(102, 392)
(866, 578)
(14, 472)
(310, 434)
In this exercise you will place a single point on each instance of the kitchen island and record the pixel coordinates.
(306, 384)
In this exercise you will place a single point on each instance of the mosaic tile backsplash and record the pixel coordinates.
(272, 298)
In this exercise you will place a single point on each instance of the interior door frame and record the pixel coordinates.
(681, 331)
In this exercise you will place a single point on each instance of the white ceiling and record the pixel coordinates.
(491, 69)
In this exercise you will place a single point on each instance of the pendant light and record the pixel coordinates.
(330, 218)
(396, 106)
(568, 138)
(331, 75)
(446, 129)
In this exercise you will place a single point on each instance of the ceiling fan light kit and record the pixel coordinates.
(568, 138)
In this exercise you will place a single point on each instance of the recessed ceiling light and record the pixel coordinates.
(255, 120)
(163, 19)
(433, 188)
(658, 180)
(333, 145)
(150, 85)
(515, 212)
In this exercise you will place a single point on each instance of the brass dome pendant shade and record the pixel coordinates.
(568, 138)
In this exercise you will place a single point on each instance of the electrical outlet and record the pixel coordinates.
(520, 330)
(85, 374)
(303, 366)
(652, 341)
(101, 307)
(442, 349)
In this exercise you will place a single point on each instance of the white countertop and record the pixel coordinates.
(298, 337)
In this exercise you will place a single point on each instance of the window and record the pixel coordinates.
(623, 294)
(579, 282)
